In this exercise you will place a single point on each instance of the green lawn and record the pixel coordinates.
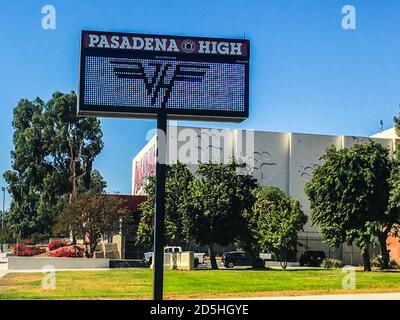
(137, 284)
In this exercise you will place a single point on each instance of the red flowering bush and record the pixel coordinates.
(19, 247)
(53, 245)
(24, 253)
(75, 252)
(23, 250)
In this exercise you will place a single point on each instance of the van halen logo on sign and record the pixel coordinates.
(157, 81)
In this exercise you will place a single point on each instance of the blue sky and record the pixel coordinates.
(308, 74)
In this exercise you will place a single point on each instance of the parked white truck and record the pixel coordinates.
(198, 257)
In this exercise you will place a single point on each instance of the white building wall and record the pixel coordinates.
(271, 159)
(141, 166)
(194, 145)
(386, 134)
(349, 141)
(305, 151)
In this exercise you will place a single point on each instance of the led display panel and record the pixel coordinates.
(137, 76)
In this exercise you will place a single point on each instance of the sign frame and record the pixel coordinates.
(138, 112)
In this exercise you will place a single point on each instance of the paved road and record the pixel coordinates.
(355, 296)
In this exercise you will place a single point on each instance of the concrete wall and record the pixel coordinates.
(349, 141)
(178, 261)
(386, 134)
(271, 159)
(194, 145)
(143, 165)
(38, 263)
(184, 260)
(305, 151)
(120, 250)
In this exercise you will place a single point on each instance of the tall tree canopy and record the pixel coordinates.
(177, 187)
(392, 226)
(349, 196)
(53, 154)
(90, 216)
(217, 198)
(275, 221)
(205, 208)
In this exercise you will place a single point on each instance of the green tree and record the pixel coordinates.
(349, 196)
(393, 213)
(73, 142)
(394, 182)
(96, 184)
(176, 191)
(246, 237)
(217, 199)
(26, 182)
(276, 221)
(91, 215)
(53, 152)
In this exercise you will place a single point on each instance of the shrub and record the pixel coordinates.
(24, 250)
(376, 262)
(75, 252)
(37, 238)
(331, 264)
(23, 253)
(19, 247)
(394, 264)
(53, 245)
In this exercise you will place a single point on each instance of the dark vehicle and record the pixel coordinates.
(312, 258)
(235, 258)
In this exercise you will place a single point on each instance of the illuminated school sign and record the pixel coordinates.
(188, 78)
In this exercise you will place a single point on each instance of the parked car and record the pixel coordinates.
(312, 258)
(198, 257)
(235, 258)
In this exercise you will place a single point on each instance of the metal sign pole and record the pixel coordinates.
(124, 71)
(158, 257)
